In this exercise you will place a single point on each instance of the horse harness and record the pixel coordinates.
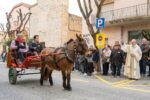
(67, 57)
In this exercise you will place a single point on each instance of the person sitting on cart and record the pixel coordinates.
(19, 48)
(35, 47)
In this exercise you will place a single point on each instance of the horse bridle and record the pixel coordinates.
(67, 54)
(71, 60)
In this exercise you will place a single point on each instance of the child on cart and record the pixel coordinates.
(19, 48)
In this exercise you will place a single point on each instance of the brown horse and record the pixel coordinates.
(62, 59)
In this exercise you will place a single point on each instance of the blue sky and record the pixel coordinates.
(6, 5)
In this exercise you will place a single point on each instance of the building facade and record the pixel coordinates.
(125, 19)
(52, 22)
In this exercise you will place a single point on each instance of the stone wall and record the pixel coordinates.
(50, 20)
(75, 25)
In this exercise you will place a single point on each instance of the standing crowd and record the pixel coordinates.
(131, 59)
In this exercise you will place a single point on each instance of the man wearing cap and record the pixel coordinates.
(116, 59)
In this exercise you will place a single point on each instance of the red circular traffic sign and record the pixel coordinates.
(100, 38)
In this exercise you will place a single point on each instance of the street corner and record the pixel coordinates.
(142, 85)
(113, 80)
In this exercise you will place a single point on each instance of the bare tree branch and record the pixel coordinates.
(87, 13)
(22, 21)
(85, 6)
(2, 27)
(3, 30)
(81, 9)
(99, 8)
(90, 7)
(28, 14)
(96, 3)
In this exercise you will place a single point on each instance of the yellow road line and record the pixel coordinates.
(103, 80)
(138, 85)
(134, 89)
(122, 84)
(81, 80)
(115, 83)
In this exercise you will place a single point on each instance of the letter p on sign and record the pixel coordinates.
(100, 23)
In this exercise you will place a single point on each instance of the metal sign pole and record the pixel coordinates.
(100, 23)
(100, 57)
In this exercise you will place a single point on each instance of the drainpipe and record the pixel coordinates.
(148, 8)
(122, 33)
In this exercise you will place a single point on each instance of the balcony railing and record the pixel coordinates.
(142, 10)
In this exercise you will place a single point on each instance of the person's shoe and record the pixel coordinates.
(89, 74)
(148, 75)
(76, 70)
(144, 75)
(118, 76)
(94, 72)
(85, 74)
(105, 74)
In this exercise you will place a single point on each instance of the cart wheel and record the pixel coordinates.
(12, 75)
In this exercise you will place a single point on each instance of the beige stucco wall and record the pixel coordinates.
(75, 26)
(127, 3)
(50, 20)
(113, 34)
(134, 27)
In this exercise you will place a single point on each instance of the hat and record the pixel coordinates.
(117, 43)
(19, 34)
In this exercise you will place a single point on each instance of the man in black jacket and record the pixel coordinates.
(144, 59)
(35, 47)
(116, 59)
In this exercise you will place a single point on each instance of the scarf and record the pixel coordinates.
(20, 40)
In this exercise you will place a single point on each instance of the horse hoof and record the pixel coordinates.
(41, 84)
(69, 89)
(51, 84)
(64, 86)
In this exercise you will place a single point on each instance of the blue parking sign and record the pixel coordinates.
(100, 23)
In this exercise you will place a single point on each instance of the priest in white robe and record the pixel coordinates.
(134, 54)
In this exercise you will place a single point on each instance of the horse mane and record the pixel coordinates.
(69, 41)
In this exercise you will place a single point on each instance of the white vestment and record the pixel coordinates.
(131, 68)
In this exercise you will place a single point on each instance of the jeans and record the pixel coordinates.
(21, 56)
(143, 66)
(149, 67)
(4, 58)
(116, 69)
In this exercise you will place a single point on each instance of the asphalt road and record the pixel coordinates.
(84, 88)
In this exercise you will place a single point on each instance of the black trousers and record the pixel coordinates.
(116, 69)
(143, 64)
(105, 68)
(149, 67)
(90, 68)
